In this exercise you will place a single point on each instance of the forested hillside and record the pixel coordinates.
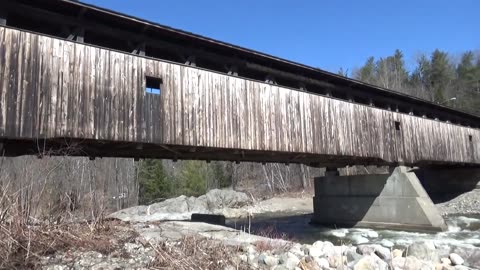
(438, 77)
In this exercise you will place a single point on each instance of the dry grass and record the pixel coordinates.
(22, 246)
(196, 253)
(274, 243)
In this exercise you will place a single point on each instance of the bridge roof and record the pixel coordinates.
(197, 44)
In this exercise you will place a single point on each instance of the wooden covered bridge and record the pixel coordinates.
(80, 80)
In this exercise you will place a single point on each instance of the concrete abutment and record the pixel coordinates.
(396, 201)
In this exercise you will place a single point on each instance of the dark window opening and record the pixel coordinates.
(470, 138)
(339, 95)
(397, 125)
(361, 100)
(153, 85)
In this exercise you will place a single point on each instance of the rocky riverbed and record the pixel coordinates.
(154, 241)
(284, 240)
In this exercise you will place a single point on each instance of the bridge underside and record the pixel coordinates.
(103, 149)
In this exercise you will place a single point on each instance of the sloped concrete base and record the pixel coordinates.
(394, 201)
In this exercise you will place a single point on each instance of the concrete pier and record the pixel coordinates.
(395, 201)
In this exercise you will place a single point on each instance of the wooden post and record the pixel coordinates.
(80, 35)
(140, 49)
(270, 79)
(233, 70)
(191, 61)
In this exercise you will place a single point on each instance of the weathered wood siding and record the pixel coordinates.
(52, 88)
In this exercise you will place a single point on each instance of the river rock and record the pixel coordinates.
(411, 263)
(325, 247)
(456, 259)
(249, 249)
(442, 266)
(370, 234)
(397, 253)
(380, 251)
(337, 250)
(423, 251)
(462, 267)
(337, 261)
(340, 233)
(270, 261)
(358, 239)
(314, 251)
(289, 260)
(252, 259)
(470, 255)
(322, 263)
(386, 243)
(370, 262)
(352, 256)
(243, 258)
(446, 261)
(296, 249)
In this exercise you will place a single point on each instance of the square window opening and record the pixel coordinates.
(397, 125)
(470, 138)
(153, 85)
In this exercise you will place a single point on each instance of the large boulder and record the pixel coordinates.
(175, 205)
(216, 201)
(424, 251)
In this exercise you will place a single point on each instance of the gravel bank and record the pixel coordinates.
(465, 204)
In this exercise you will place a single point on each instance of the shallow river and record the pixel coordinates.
(462, 230)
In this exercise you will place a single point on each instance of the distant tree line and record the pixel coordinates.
(161, 179)
(438, 78)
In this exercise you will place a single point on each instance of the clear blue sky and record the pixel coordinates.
(327, 34)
